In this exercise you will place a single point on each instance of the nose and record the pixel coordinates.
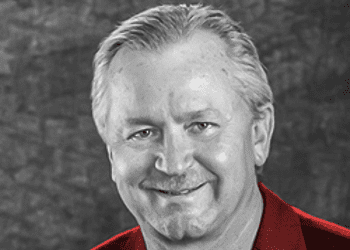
(176, 155)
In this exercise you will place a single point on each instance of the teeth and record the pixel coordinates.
(185, 192)
(176, 193)
(181, 193)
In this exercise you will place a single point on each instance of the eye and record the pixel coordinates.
(142, 134)
(201, 126)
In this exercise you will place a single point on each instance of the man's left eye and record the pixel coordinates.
(201, 126)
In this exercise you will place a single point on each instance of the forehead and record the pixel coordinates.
(195, 74)
(202, 50)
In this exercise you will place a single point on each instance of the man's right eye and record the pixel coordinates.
(142, 134)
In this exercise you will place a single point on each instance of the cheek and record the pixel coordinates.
(225, 148)
(221, 157)
(129, 168)
(218, 156)
(227, 156)
(225, 162)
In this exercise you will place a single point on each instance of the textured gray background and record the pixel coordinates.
(55, 186)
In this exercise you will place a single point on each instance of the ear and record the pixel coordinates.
(110, 157)
(262, 131)
(109, 152)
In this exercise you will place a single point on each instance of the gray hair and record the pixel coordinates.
(153, 29)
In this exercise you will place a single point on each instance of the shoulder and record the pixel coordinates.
(322, 234)
(292, 224)
(130, 239)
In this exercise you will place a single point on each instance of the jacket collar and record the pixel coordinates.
(280, 227)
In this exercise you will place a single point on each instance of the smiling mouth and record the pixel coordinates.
(188, 191)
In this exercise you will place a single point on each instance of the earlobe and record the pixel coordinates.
(262, 134)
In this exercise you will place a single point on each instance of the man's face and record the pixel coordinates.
(158, 139)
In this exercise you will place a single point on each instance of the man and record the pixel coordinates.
(183, 104)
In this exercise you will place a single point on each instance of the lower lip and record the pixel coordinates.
(180, 196)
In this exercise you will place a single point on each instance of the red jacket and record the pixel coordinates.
(282, 227)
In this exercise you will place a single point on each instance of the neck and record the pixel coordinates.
(247, 219)
(247, 236)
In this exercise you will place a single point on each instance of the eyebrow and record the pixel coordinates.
(199, 114)
(139, 121)
(187, 116)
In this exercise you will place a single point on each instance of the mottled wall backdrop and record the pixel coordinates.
(55, 186)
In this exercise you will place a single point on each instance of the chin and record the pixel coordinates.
(178, 229)
(183, 227)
